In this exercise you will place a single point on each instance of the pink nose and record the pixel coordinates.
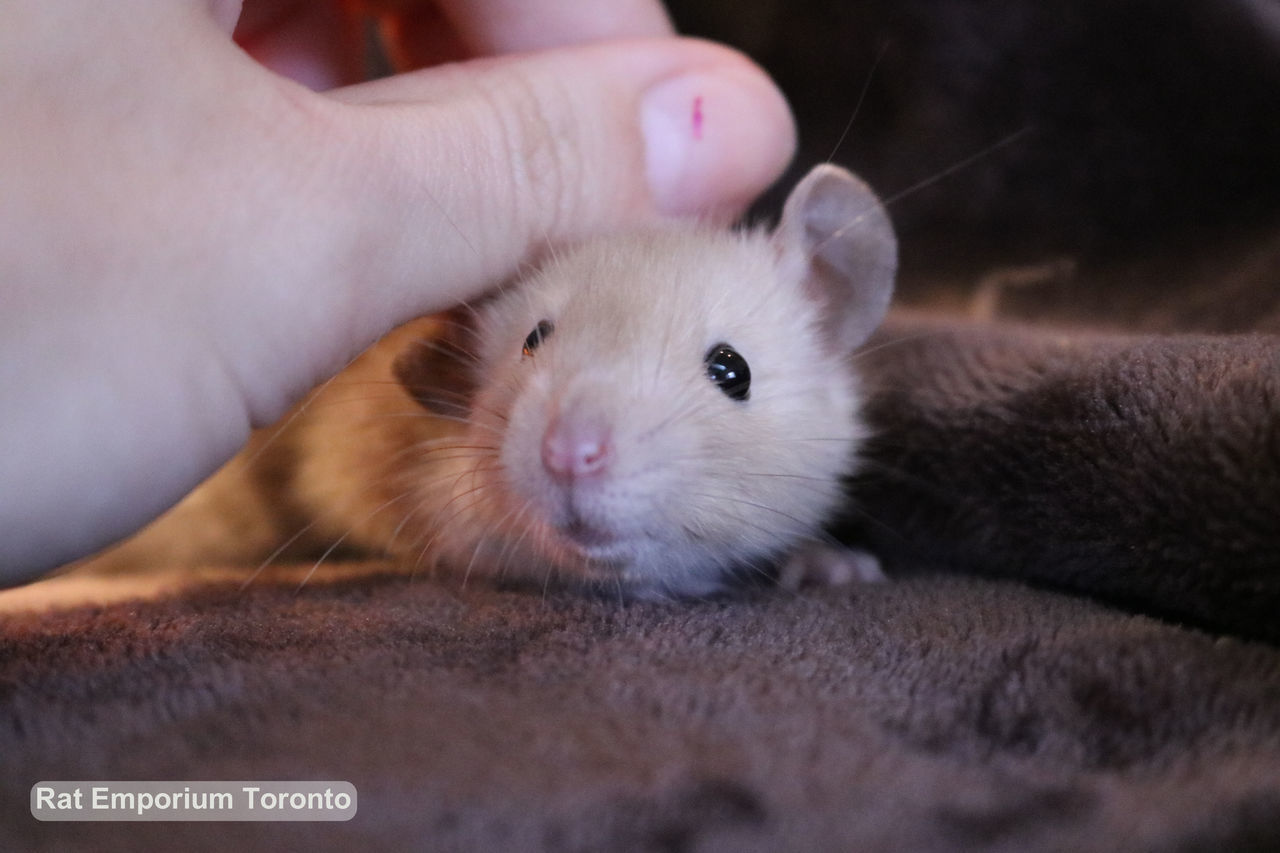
(573, 449)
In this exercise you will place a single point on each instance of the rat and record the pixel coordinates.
(656, 412)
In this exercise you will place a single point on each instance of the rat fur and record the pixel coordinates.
(570, 425)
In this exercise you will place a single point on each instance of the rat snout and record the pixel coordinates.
(575, 448)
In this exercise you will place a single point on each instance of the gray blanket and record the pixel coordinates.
(929, 714)
(1074, 483)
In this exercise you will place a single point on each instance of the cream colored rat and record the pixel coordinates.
(654, 412)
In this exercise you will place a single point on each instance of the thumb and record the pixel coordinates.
(457, 173)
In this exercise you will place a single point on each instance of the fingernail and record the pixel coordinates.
(714, 139)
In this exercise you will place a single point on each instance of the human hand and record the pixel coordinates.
(189, 241)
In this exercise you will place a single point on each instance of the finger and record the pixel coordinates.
(320, 45)
(420, 39)
(478, 165)
(419, 34)
(225, 13)
(510, 26)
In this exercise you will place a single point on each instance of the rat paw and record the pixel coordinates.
(823, 565)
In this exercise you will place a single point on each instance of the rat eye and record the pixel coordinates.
(536, 337)
(729, 370)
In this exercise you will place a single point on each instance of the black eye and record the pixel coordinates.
(536, 337)
(729, 370)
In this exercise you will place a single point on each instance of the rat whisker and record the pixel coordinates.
(800, 523)
(862, 96)
(338, 542)
(891, 200)
(894, 342)
(956, 167)
(284, 546)
(513, 547)
(443, 526)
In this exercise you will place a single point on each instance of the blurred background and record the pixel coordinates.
(1076, 158)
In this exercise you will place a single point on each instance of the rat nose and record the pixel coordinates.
(574, 448)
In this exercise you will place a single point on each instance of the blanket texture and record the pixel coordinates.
(1074, 482)
(920, 715)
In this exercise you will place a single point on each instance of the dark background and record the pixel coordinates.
(1011, 132)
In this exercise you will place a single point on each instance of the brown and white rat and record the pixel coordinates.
(652, 412)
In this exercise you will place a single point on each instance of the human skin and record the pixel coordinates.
(190, 237)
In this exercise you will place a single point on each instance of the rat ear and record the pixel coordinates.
(440, 372)
(836, 239)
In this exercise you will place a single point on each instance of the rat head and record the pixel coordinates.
(660, 409)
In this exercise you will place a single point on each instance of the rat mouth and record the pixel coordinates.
(588, 537)
(593, 542)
